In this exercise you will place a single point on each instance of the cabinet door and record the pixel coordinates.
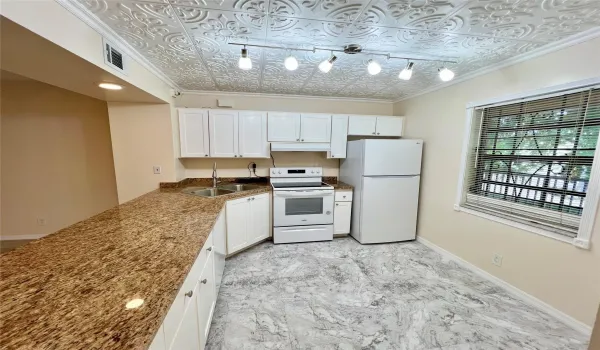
(206, 300)
(315, 128)
(220, 249)
(159, 340)
(223, 134)
(341, 217)
(389, 126)
(260, 208)
(339, 136)
(238, 221)
(187, 336)
(253, 135)
(193, 133)
(284, 127)
(362, 125)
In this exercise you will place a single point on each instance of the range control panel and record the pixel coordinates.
(296, 172)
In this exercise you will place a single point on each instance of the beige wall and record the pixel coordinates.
(595, 341)
(558, 273)
(56, 158)
(142, 137)
(237, 167)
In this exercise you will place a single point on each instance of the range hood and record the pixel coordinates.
(300, 147)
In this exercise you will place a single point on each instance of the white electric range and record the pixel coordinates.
(302, 205)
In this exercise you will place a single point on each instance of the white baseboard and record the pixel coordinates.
(20, 237)
(529, 299)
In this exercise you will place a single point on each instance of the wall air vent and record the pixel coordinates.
(114, 57)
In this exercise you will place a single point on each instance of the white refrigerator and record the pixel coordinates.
(386, 175)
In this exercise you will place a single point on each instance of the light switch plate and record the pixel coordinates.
(156, 169)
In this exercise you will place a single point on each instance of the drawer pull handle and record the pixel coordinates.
(203, 281)
(189, 294)
(209, 249)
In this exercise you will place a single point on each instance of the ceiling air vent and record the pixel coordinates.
(113, 57)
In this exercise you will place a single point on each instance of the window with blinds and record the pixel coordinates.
(531, 161)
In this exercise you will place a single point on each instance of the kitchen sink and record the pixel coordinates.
(208, 192)
(238, 187)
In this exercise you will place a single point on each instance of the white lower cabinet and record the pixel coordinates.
(248, 221)
(342, 212)
(206, 300)
(243, 222)
(187, 336)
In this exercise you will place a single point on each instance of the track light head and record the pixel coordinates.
(245, 63)
(373, 67)
(326, 65)
(446, 74)
(291, 63)
(406, 73)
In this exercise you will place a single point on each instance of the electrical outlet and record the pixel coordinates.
(156, 169)
(497, 260)
(41, 222)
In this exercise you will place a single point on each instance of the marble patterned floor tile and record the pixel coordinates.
(343, 295)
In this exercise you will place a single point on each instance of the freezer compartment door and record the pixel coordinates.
(392, 157)
(389, 209)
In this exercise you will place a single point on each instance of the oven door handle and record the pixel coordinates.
(297, 194)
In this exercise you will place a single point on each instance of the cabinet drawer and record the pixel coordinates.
(343, 196)
(175, 313)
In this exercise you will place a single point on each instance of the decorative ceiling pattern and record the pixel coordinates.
(188, 39)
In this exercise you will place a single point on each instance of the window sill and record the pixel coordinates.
(549, 234)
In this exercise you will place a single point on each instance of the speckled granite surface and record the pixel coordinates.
(68, 290)
(331, 180)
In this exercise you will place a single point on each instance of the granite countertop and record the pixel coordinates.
(338, 185)
(68, 290)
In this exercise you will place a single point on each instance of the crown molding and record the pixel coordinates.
(546, 49)
(109, 34)
(303, 97)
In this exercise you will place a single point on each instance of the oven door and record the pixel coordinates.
(301, 208)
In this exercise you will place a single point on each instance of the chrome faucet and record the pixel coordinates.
(214, 174)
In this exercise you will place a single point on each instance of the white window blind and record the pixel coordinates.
(531, 161)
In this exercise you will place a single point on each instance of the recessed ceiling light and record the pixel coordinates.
(245, 63)
(110, 86)
(374, 68)
(291, 63)
(326, 65)
(446, 74)
(406, 73)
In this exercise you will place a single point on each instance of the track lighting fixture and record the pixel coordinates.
(245, 63)
(374, 68)
(326, 65)
(406, 73)
(291, 63)
(446, 74)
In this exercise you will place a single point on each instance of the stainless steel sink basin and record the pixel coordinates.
(238, 187)
(207, 192)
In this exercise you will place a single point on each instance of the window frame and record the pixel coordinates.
(583, 238)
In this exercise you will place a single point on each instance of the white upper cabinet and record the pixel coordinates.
(339, 136)
(389, 126)
(253, 134)
(284, 127)
(362, 125)
(193, 133)
(223, 134)
(315, 127)
(237, 134)
(375, 126)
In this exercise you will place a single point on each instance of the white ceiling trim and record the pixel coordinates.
(105, 31)
(295, 97)
(546, 49)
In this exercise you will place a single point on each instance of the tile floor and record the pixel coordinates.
(343, 295)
